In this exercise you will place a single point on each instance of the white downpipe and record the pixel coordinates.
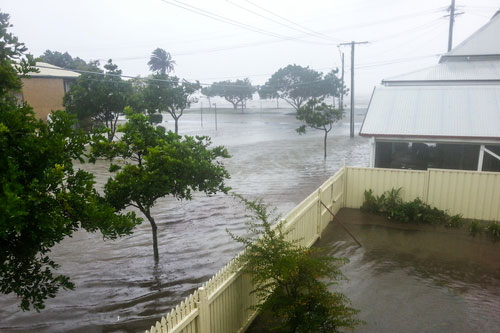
(372, 152)
(481, 158)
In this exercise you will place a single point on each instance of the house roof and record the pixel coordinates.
(459, 112)
(451, 71)
(48, 70)
(485, 41)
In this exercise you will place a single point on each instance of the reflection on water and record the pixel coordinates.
(118, 287)
(421, 279)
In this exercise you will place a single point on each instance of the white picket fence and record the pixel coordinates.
(222, 304)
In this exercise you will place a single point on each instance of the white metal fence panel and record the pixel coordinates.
(472, 194)
(413, 183)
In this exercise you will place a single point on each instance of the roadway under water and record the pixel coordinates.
(118, 287)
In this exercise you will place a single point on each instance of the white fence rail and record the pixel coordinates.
(223, 303)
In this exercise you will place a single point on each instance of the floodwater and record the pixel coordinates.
(416, 278)
(118, 287)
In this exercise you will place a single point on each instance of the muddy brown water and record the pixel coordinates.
(118, 287)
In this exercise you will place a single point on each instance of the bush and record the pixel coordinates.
(287, 277)
(493, 229)
(475, 228)
(391, 204)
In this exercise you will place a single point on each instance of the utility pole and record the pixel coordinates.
(353, 43)
(452, 15)
(342, 86)
(452, 20)
(215, 113)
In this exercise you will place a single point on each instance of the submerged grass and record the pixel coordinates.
(391, 205)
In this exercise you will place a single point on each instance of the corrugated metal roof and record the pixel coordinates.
(48, 70)
(435, 111)
(453, 71)
(485, 41)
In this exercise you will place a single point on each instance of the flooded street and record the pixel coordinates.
(118, 287)
(417, 278)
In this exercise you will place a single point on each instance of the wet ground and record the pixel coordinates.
(413, 278)
(118, 287)
(417, 278)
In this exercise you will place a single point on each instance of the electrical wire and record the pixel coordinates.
(303, 30)
(226, 20)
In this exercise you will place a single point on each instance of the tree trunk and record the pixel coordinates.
(324, 141)
(154, 229)
(176, 125)
(235, 105)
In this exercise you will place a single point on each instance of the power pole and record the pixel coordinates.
(353, 43)
(452, 15)
(342, 85)
(452, 20)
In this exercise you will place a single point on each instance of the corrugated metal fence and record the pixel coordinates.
(222, 304)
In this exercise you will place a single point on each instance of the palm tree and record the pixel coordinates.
(161, 62)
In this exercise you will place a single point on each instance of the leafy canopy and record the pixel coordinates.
(296, 85)
(169, 94)
(159, 164)
(288, 278)
(161, 62)
(98, 100)
(237, 92)
(43, 199)
(318, 115)
(65, 60)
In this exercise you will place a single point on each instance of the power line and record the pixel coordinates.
(310, 32)
(226, 20)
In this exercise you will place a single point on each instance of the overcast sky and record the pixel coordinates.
(404, 35)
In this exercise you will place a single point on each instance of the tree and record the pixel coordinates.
(98, 100)
(170, 94)
(42, 198)
(161, 62)
(65, 60)
(159, 164)
(236, 93)
(318, 115)
(295, 84)
(288, 278)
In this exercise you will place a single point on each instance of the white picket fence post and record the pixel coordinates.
(204, 311)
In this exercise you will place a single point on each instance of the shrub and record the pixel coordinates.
(475, 228)
(493, 229)
(391, 204)
(287, 277)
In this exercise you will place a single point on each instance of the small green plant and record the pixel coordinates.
(455, 221)
(475, 228)
(493, 229)
(391, 204)
(288, 278)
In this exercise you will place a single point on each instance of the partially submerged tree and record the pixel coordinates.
(161, 62)
(295, 84)
(43, 199)
(289, 279)
(159, 164)
(98, 100)
(235, 92)
(318, 115)
(169, 94)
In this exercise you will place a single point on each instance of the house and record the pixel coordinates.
(445, 116)
(45, 90)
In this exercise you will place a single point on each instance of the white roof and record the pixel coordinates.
(48, 70)
(485, 41)
(434, 112)
(453, 71)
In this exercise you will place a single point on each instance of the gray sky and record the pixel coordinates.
(404, 35)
